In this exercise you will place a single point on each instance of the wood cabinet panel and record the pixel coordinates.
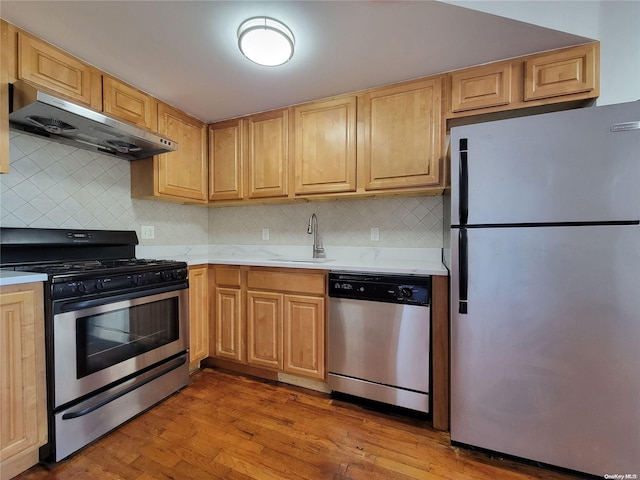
(23, 424)
(325, 146)
(182, 173)
(7, 55)
(268, 154)
(230, 276)
(229, 334)
(287, 282)
(481, 87)
(264, 329)
(304, 335)
(52, 68)
(129, 104)
(198, 314)
(402, 135)
(559, 73)
(226, 160)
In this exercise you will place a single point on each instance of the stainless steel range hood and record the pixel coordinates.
(38, 113)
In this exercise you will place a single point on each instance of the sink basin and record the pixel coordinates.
(301, 260)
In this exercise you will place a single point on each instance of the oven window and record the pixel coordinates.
(109, 338)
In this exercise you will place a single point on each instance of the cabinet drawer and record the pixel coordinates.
(228, 276)
(284, 281)
(561, 73)
(480, 88)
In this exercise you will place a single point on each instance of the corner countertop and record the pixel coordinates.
(413, 261)
(10, 277)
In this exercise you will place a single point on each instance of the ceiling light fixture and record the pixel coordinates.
(265, 41)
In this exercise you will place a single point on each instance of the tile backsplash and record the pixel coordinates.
(401, 222)
(57, 186)
(51, 185)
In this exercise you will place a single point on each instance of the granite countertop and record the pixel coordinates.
(10, 277)
(416, 261)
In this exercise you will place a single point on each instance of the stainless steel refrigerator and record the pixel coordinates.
(545, 288)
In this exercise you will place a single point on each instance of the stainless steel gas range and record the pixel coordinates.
(116, 328)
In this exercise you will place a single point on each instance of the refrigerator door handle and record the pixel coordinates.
(463, 271)
(464, 183)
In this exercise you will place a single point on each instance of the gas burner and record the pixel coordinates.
(52, 125)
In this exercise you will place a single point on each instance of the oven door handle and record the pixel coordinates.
(104, 401)
(60, 307)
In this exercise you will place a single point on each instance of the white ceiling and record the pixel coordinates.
(185, 52)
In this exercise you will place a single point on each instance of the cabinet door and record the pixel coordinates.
(402, 135)
(304, 335)
(182, 173)
(7, 56)
(50, 67)
(482, 87)
(264, 329)
(129, 104)
(198, 314)
(228, 324)
(268, 154)
(565, 72)
(325, 146)
(226, 160)
(23, 424)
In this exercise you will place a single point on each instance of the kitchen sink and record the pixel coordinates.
(301, 260)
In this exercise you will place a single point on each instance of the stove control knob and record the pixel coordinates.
(406, 292)
(135, 279)
(166, 275)
(82, 288)
(100, 285)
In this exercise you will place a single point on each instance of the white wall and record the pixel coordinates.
(614, 23)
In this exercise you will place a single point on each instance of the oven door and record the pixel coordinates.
(96, 346)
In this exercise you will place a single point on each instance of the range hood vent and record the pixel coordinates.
(38, 113)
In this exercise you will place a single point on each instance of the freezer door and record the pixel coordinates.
(544, 365)
(559, 167)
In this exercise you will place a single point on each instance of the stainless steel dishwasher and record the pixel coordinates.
(378, 344)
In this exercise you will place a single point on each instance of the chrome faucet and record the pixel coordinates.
(318, 251)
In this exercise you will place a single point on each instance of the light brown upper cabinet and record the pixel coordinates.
(7, 58)
(325, 146)
(179, 176)
(402, 135)
(56, 70)
(488, 86)
(568, 75)
(129, 104)
(226, 160)
(268, 154)
(565, 72)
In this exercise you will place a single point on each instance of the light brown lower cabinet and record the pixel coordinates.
(198, 315)
(264, 329)
(273, 319)
(304, 335)
(23, 420)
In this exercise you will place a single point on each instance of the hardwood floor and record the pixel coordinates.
(224, 426)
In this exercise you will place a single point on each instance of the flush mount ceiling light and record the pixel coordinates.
(265, 41)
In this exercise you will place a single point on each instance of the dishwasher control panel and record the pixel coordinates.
(405, 289)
